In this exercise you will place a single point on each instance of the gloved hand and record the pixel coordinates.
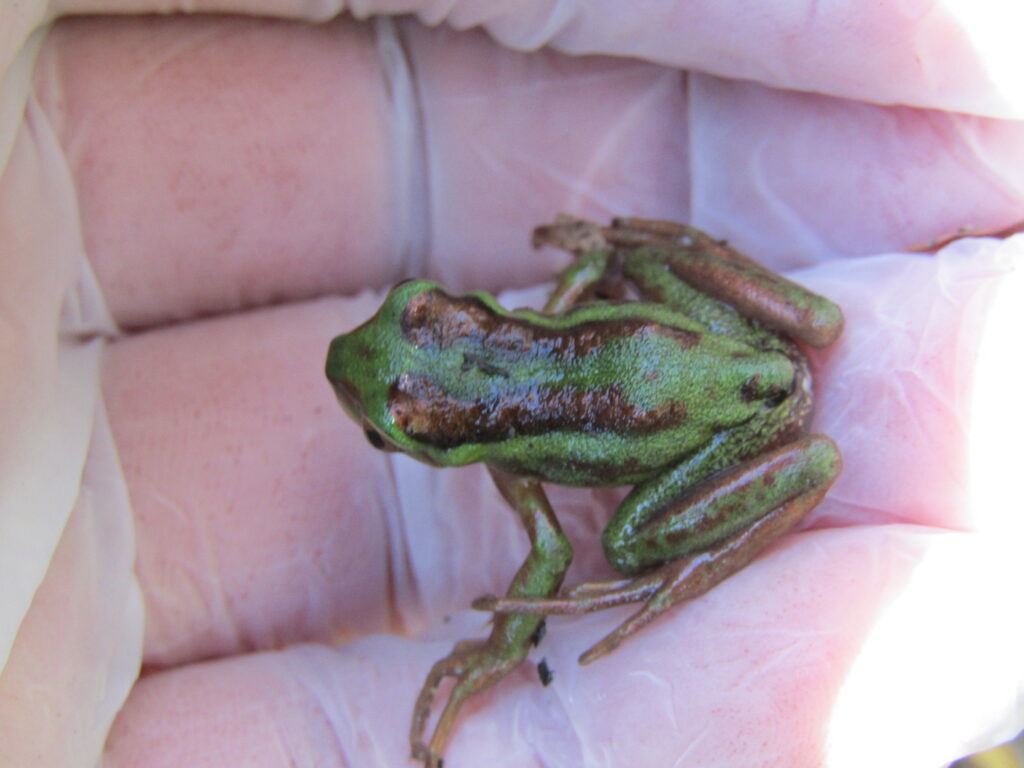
(192, 207)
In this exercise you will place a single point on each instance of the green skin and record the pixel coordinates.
(690, 394)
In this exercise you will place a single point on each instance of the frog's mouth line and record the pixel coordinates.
(347, 397)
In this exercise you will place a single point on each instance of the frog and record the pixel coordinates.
(664, 359)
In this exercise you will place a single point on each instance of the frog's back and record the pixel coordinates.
(601, 395)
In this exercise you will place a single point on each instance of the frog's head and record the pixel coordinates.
(364, 364)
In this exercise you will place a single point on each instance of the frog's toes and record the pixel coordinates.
(570, 234)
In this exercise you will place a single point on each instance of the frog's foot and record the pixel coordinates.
(475, 666)
(571, 234)
(592, 596)
(678, 580)
(588, 597)
(634, 232)
(581, 236)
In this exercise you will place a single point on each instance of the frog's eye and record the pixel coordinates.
(376, 440)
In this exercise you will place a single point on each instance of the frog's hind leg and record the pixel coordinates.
(685, 546)
(693, 575)
(713, 269)
(682, 266)
(597, 271)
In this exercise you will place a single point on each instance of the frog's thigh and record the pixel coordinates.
(688, 280)
(656, 283)
(660, 521)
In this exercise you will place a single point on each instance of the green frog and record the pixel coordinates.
(664, 359)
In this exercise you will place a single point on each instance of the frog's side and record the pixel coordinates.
(685, 395)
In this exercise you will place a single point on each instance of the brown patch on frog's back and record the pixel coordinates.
(428, 414)
(435, 319)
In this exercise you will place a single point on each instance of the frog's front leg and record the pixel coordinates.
(479, 664)
(694, 537)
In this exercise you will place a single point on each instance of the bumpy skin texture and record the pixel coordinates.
(600, 395)
(690, 399)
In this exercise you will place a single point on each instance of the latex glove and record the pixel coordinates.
(216, 165)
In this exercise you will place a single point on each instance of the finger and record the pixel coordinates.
(798, 178)
(264, 516)
(197, 181)
(915, 391)
(259, 517)
(941, 56)
(836, 647)
(76, 652)
(447, 174)
(316, 175)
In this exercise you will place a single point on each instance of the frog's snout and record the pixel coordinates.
(344, 389)
(335, 355)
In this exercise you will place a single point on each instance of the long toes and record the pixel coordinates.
(615, 638)
(485, 602)
(583, 598)
(662, 589)
(571, 234)
(592, 588)
(658, 227)
(464, 660)
(420, 752)
(446, 667)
